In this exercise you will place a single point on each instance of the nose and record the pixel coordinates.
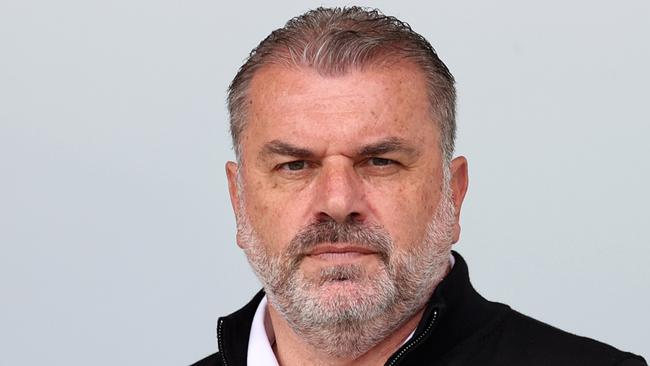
(341, 195)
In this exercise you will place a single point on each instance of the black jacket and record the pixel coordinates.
(459, 327)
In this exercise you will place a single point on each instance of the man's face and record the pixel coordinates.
(341, 189)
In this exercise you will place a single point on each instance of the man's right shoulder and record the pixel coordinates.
(212, 360)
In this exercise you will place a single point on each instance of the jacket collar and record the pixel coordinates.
(454, 312)
(233, 332)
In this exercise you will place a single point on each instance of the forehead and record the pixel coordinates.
(361, 104)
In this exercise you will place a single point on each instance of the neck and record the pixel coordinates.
(290, 349)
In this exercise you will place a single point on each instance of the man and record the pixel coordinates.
(348, 202)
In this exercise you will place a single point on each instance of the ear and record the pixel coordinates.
(459, 182)
(233, 189)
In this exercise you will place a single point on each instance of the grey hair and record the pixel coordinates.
(334, 41)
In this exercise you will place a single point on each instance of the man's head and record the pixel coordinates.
(335, 41)
(346, 198)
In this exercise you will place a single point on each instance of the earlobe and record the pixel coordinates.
(459, 183)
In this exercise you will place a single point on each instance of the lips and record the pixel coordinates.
(339, 249)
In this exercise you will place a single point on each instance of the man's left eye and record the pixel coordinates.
(381, 161)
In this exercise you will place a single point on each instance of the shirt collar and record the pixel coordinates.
(261, 339)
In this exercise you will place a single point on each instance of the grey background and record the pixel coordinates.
(116, 233)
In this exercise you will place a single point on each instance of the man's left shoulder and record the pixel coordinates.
(531, 338)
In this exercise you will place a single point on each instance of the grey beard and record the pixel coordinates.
(350, 323)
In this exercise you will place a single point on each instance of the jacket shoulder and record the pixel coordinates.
(212, 360)
(522, 337)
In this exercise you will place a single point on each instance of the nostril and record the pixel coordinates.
(354, 218)
(322, 217)
(351, 218)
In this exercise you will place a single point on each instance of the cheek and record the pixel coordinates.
(271, 216)
(405, 211)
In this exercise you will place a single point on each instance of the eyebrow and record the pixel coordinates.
(385, 146)
(388, 145)
(278, 147)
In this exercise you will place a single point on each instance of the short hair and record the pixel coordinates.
(333, 41)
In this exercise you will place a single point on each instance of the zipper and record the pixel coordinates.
(413, 342)
(222, 350)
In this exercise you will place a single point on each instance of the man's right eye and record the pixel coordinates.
(294, 165)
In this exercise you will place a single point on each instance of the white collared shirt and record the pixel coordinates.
(261, 338)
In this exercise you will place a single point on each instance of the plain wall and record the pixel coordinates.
(116, 232)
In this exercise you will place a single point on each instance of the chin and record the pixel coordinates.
(342, 291)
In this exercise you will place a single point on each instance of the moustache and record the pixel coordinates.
(374, 238)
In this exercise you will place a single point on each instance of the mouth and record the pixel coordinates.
(339, 252)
